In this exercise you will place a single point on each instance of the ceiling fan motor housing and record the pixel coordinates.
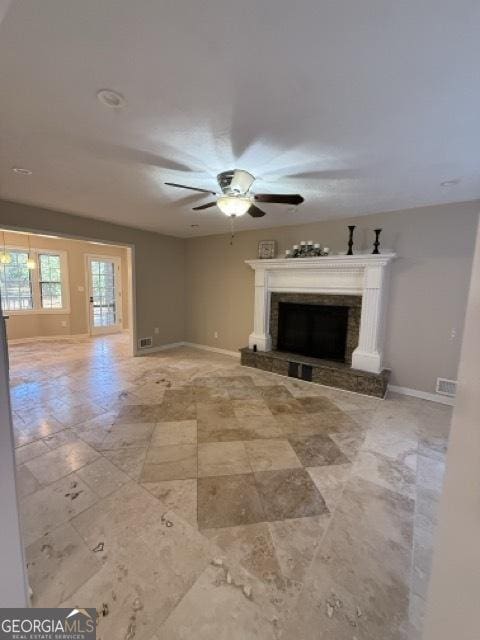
(235, 181)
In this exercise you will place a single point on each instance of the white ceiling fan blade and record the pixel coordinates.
(241, 181)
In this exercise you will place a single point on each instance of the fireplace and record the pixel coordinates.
(301, 309)
(314, 330)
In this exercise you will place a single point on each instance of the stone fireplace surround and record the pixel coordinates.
(333, 279)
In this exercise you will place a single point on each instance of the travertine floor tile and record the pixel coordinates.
(130, 460)
(127, 435)
(173, 462)
(58, 563)
(36, 428)
(60, 438)
(178, 404)
(316, 423)
(296, 542)
(265, 455)
(232, 429)
(317, 404)
(131, 413)
(26, 481)
(251, 546)
(318, 450)
(398, 476)
(178, 495)
(29, 451)
(70, 415)
(330, 481)
(288, 493)
(222, 458)
(213, 409)
(180, 432)
(214, 608)
(228, 501)
(95, 430)
(248, 407)
(102, 476)
(349, 442)
(51, 506)
(62, 461)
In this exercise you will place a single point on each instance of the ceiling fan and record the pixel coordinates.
(236, 199)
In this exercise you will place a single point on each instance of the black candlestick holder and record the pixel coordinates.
(350, 240)
(376, 244)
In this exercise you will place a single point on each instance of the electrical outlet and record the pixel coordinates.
(215, 335)
(156, 330)
(453, 334)
(64, 323)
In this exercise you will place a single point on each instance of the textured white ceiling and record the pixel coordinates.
(359, 105)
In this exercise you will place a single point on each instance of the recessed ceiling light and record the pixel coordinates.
(111, 98)
(21, 172)
(450, 183)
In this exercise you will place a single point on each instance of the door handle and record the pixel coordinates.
(91, 299)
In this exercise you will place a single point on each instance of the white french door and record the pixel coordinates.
(104, 294)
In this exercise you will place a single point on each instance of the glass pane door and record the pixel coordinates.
(104, 294)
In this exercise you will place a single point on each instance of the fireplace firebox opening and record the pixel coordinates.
(317, 331)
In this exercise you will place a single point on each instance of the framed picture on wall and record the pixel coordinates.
(267, 249)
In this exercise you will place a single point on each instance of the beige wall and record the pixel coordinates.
(454, 595)
(30, 325)
(158, 263)
(427, 296)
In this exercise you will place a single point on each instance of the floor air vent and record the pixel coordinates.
(446, 387)
(145, 343)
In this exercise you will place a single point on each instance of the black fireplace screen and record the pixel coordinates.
(313, 330)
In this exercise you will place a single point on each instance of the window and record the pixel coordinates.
(16, 283)
(40, 290)
(50, 281)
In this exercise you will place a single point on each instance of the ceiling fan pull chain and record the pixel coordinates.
(232, 229)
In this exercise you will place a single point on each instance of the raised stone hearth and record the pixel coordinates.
(331, 374)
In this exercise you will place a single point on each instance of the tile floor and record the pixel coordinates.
(187, 497)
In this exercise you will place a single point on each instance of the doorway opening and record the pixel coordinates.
(56, 287)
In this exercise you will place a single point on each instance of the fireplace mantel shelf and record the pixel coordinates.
(364, 275)
(355, 261)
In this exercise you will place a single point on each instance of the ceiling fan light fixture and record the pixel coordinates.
(234, 205)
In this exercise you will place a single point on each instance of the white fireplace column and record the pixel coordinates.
(364, 275)
(368, 355)
(261, 320)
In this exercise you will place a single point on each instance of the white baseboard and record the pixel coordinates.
(424, 395)
(61, 336)
(194, 345)
(206, 347)
(162, 347)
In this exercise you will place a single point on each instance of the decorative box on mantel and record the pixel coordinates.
(327, 280)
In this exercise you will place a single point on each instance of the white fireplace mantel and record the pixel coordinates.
(364, 275)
